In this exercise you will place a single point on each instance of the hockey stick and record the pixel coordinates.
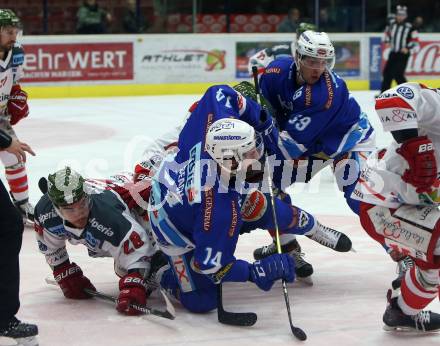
(169, 313)
(298, 332)
(242, 319)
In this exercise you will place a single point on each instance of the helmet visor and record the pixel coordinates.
(257, 151)
(317, 63)
(234, 161)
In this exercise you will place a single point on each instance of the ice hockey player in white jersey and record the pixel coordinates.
(399, 198)
(13, 107)
(76, 211)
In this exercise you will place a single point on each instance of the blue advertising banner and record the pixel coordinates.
(375, 73)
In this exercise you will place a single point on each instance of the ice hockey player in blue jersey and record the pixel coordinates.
(265, 56)
(320, 122)
(75, 211)
(196, 204)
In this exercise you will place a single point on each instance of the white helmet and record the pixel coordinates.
(316, 45)
(232, 139)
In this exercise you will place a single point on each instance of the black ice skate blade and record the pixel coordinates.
(408, 331)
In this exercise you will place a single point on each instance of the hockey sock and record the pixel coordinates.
(297, 221)
(285, 238)
(419, 288)
(18, 181)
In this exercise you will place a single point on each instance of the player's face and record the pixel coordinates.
(249, 165)
(312, 68)
(8, 37)
(77, 213)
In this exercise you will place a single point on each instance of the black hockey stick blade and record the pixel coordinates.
(241, 319)
(143, 309)
(299, 333)
(42, 184)
(296, 331)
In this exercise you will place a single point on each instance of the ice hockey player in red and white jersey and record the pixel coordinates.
(92, 213)
(13, 107)
(399, 190)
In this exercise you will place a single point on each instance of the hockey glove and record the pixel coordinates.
(269, 133)
(133, 193)
(420, 155)
(72, 281)
(132, 289)
(270, 269)
(17, 104)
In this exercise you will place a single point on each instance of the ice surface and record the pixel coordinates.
(100, 137)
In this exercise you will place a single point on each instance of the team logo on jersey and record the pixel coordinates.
(303, 219)
(297, 94)
(91, 240)
(405, 92)
(254, 206)
(41, 246)
(18, 59)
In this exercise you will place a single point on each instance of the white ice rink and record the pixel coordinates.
(100, 137)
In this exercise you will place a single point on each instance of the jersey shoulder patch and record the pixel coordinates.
(45, 213)
(17, 55)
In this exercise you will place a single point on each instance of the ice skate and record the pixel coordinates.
(395, 320)
(26, 210)
(402, 267)
(331, 238)
(19, 334)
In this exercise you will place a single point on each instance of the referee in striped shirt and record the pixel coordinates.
(402, 38)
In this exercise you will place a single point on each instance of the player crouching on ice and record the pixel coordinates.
(399, 192)
(101, 220)
(199, 203)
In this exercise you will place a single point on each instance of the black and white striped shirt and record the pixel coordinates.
(401, 35)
